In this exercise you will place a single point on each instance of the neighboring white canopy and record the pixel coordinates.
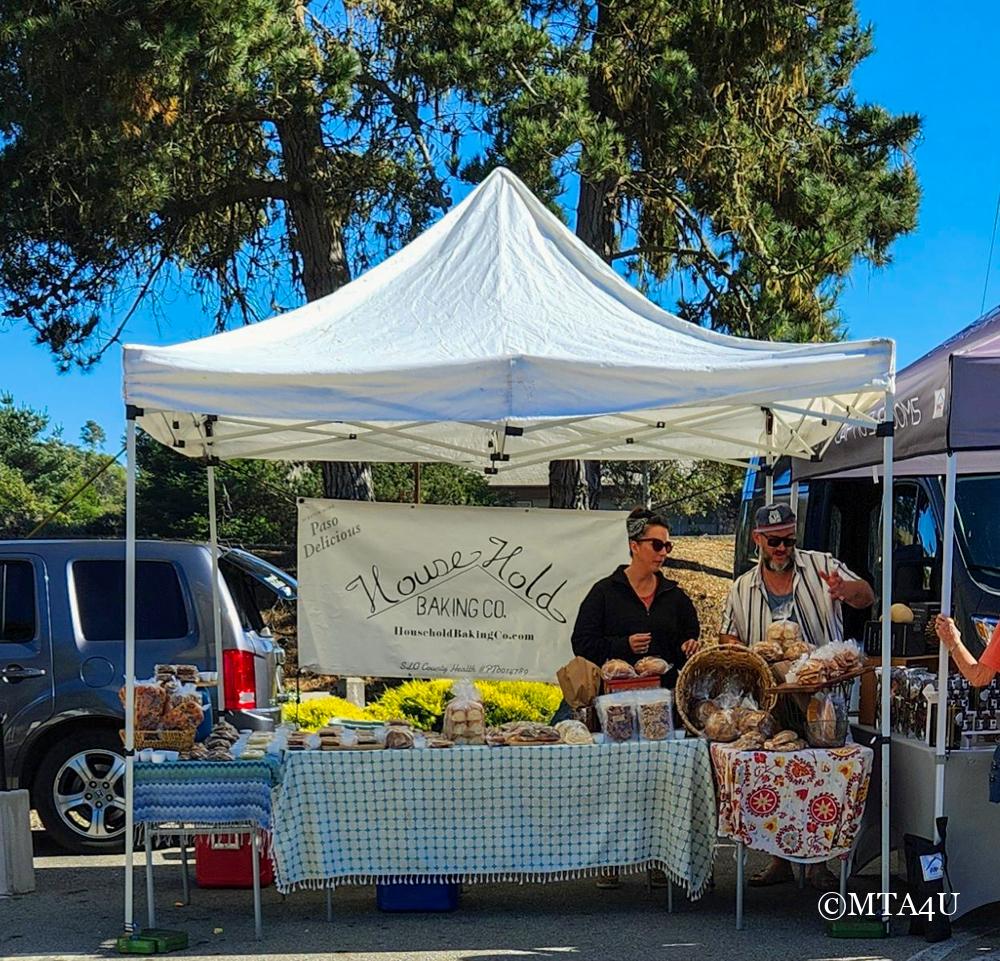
(494, 321)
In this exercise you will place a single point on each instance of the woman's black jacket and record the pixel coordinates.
(612, 611)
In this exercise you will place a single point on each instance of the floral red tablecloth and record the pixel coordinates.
(800, 804)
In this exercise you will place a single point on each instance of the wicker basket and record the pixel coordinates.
(162, 740)
(725, 662)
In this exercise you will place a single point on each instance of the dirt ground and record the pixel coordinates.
(703, 566)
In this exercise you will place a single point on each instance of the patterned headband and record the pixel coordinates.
(635, 527)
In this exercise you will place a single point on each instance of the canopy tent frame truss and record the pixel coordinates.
(642, 437)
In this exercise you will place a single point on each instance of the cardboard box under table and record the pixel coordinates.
(472, 814)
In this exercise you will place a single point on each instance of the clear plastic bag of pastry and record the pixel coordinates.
(464, 715)
(826, 719)
(618, 715)
(150, 703)
(784, 631)
(655, 714)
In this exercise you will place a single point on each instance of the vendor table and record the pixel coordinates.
(973, 823)
(540, 813)
(803, 805)
(182, 799)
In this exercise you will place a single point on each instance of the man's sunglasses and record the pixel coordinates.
(656, 544)
(779, 541)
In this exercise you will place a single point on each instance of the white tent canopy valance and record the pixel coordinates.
(497, 338)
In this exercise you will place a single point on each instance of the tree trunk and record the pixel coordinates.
(568, 485)
(577, 484)
(344, 480)
(317, 237)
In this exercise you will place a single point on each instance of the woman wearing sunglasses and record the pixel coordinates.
(636, 612)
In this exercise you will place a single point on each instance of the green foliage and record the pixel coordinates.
(519, 701)
(255, 498)
(422, 703)
(689, 488)
(208, 144)
(314, 712)
(439, 484)
(143, 144)
(38, 471)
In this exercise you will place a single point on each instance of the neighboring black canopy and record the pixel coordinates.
(948, 400)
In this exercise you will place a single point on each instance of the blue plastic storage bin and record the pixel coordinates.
(425, 896)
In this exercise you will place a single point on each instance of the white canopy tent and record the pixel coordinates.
(496, 339)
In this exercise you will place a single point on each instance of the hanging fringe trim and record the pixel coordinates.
(496, 877)
(173, 835)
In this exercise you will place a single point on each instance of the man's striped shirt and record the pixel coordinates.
(748, 614)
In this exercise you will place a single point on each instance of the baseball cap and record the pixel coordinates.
(774, 517)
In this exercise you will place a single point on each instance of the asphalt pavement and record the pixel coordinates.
(76, 913)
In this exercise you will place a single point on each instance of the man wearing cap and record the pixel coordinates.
(808, 587)
(810, 584)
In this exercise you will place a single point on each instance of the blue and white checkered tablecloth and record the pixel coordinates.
(495, 814)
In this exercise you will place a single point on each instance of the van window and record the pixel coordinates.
(99, 587)
(977, 500)
(17, 602)
(913, 520)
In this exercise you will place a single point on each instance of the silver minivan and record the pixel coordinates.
(62, 656)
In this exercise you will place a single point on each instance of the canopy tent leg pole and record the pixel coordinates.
(886, 431)
(213, 536)
(769, 458)
(947, 563)
(129, 665)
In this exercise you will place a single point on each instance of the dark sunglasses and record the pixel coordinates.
(656, 544)
(778, 541)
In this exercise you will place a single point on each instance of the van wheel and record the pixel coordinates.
(79, 792)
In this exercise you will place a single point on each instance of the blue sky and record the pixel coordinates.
(929, 59)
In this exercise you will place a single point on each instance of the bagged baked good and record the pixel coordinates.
(464, 716)
(656, 720)
(618, 715)
(646, 666)
(398, 738)
(795, 649)
(705, 710)
(786, 740)
(150, 702)
(186, 715)
(750, 741)
(769, 648)
(750, 721)
(783, 632)
(574, 732)
(721, 727)
(826, 719)
(530, 732)
(616, 669)
(186, 673)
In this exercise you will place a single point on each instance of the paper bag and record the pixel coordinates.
(580, 681)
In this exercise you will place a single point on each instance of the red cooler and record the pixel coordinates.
(226, 861)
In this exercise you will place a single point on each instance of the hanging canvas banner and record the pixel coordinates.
(399, 590)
